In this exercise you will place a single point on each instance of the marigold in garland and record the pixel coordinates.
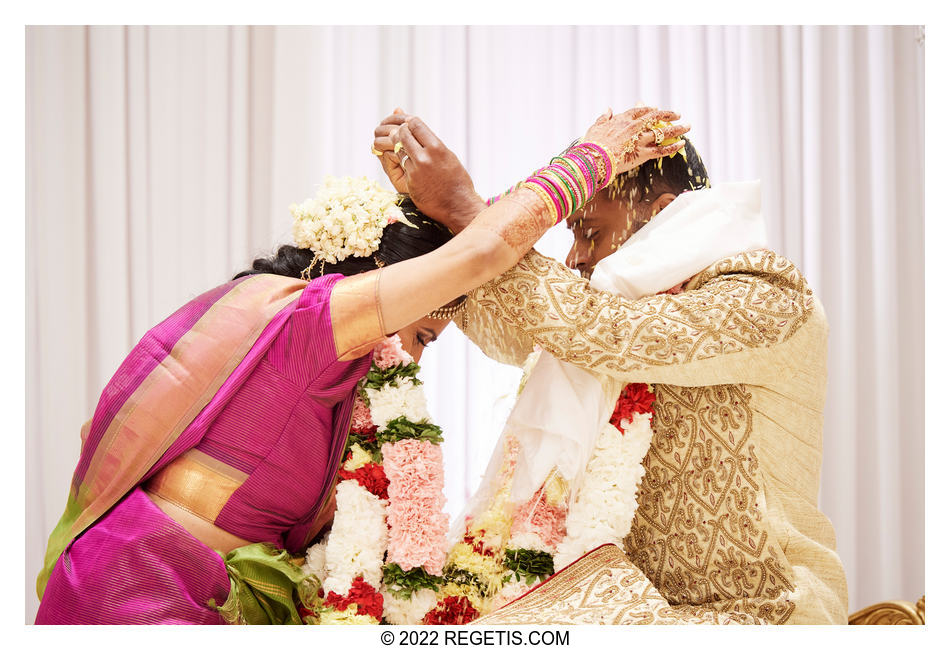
(356, 458)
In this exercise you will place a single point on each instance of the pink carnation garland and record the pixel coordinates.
(417, 525)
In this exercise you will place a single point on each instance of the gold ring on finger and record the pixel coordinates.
(657, 136)
(375, 151)
(397, 148)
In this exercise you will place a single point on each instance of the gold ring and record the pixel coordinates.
(375, 151)
(397, 148)
(657, 135)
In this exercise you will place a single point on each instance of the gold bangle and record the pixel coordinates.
(552, 209)
(613, 160)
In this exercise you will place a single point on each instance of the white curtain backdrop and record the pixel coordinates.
(161, 160)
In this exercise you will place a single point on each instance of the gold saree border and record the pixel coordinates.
(198, 483)
(355, 302)
(160, 407)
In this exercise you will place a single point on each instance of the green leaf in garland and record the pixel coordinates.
(533, 565)
(372, 448)
(402, 429)
(402, 584)
(378, 377)
(459, 576)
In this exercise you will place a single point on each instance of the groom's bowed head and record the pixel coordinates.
(629, 202)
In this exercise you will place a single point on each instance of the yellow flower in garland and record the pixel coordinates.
(556, 488)
(487, 568)
(360, 457)
(467, 591)
(348, 617)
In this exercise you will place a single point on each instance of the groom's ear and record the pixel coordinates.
(664, 200)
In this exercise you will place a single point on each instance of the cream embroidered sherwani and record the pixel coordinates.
(727, 528)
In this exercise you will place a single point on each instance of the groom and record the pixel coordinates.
(727, 528)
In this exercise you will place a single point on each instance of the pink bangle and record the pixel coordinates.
(584, 171)
(545, 197)
(556, 193)
(608, 162)
(572, 182)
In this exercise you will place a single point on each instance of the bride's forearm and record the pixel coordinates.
(491, 244)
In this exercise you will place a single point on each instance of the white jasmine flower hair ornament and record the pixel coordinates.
(345, 218)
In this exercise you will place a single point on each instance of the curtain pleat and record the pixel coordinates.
(161, 160)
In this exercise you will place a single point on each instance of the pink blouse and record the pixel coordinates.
(286, 424)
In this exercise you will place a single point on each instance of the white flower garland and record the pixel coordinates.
(607, 500)
(390, 402)
(381, 552)
(357, 541)
(408, 611)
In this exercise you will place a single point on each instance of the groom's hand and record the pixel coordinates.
(383, 145)
(418, 163)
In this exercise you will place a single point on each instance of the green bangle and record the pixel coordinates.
(559, 196)
(578, 176)
(562, 177)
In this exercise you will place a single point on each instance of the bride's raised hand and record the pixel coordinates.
(638, 135)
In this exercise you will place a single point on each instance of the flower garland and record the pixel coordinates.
(475, 569)
(383, 557)
(510, 547)
(538, 526)
(607, 500)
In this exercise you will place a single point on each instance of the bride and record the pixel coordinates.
(224, 425)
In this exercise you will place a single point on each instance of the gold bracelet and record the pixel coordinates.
(613, 160)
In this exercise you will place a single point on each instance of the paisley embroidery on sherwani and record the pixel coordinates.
(602, 331)
(700, 533)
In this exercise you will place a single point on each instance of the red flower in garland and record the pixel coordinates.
(478, 545)
(369, 602)
(371, 477)
(451, 610)
(306, 612)
(634, 398)
(367, 433)
(362, 422)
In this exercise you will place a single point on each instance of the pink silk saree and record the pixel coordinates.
(158, 405)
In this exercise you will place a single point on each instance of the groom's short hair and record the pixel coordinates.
(681, 172)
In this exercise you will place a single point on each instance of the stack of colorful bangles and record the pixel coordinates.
(571, 180)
